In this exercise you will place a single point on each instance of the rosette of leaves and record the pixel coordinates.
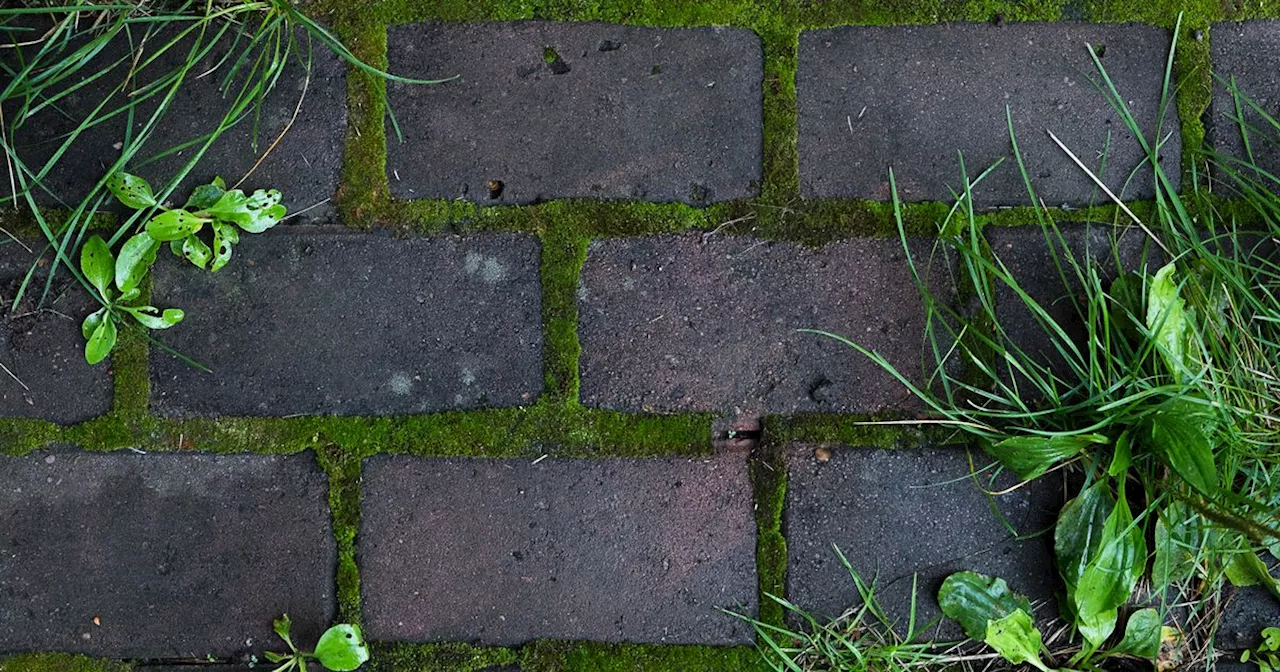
(117, 278)
(225, 211)
(341, 649)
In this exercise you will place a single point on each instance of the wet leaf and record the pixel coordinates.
(1031, 456)
(224, 237)
(131, 190)
(1016, 638)
(342, 648)
(196, 251)
(101, 341)
(1141, 635)
(98, 265)
(255, 213)
(174, 225)
(136, 257)
(973, 599)
(152, 318)
(1181, 433)
(1169, 324)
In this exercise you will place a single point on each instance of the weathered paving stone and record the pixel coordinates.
(41, 345)
(506, 551)
(896, 513)
(1027, 254)
(1249, 610)
(1249, 52)
(909, 97)
(695, 323)
(304, 165)
(325, 322)
(174, 555)
(575, 110)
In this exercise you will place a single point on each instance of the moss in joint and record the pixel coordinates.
(448, 657)
(60, 662)
(769, 485)
(561, 656)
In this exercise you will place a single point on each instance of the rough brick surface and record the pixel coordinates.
(680, 323)
(304, 165)
(41, 344)
(1027, 253)
(175, 555)
(911, 96)
(581, 110)
(341, 323)
(1249, 52)
(1249, 610)
(894, 513)
(505, 551)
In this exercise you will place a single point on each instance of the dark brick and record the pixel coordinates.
(575, 110)
(1248, 611)
(1230, 662)
(895, 513)
(1249, 52)
(675, 323)
(909, 97)
(1027, 254)
(325, 322)
(42, 346)
(506, 551)
(176, 555)
(304, 166)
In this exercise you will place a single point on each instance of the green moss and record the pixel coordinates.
(556, 656)
(769, 483)
(450, 657)
(60, 662)
(562, 259)
(343, 468)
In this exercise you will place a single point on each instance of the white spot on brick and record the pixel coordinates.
(490, 269)
(468, 376)
(401, 384)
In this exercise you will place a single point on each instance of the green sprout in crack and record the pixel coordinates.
(117, 279)
(341, 648)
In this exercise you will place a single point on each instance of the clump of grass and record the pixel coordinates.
(1161, 388)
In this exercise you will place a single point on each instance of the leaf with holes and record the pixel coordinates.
(196, 251)
(973, 599)
(101, 341)
(342, 648)
(224, 236)
(1030, 456)
(255, 213)
(131, 190)
(174, 225)
(98, 265)
(136, 257)
(152, 318)
(91, 323)
(206, 195)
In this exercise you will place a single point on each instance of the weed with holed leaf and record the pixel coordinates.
(341, 648)
(1265, 655)
(225, 211)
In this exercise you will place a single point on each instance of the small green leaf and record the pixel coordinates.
(101, 341)
(1016, 638)
(1181, 432)
(1141, 635)
(273, 657)
(973, 599)
(136, 257)
(224, 236)
(204, 196)
(97, 264)
(1078, 533)
(151, 317)
(196, 251)
(1245, 568)
(1167, 319)
(1121, 457)
(1271, 639)
(91, 323)
(255, 213)
(282, 626)
(1031, 456)
(132, 190)
(342, 648)
(174, 225)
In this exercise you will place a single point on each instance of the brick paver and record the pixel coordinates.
(42, 348)
(345, 323)
(304, 165)
(1249, 53)
(507, 551)
(697, 323)
(895, 513)
(1027, 254)
(151, 556)
(909, 97)
(1248, 611)
(582, 110)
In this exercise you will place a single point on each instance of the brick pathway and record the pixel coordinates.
(489, 433)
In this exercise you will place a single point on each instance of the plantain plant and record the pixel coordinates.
(117, 279)
(341, 649)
